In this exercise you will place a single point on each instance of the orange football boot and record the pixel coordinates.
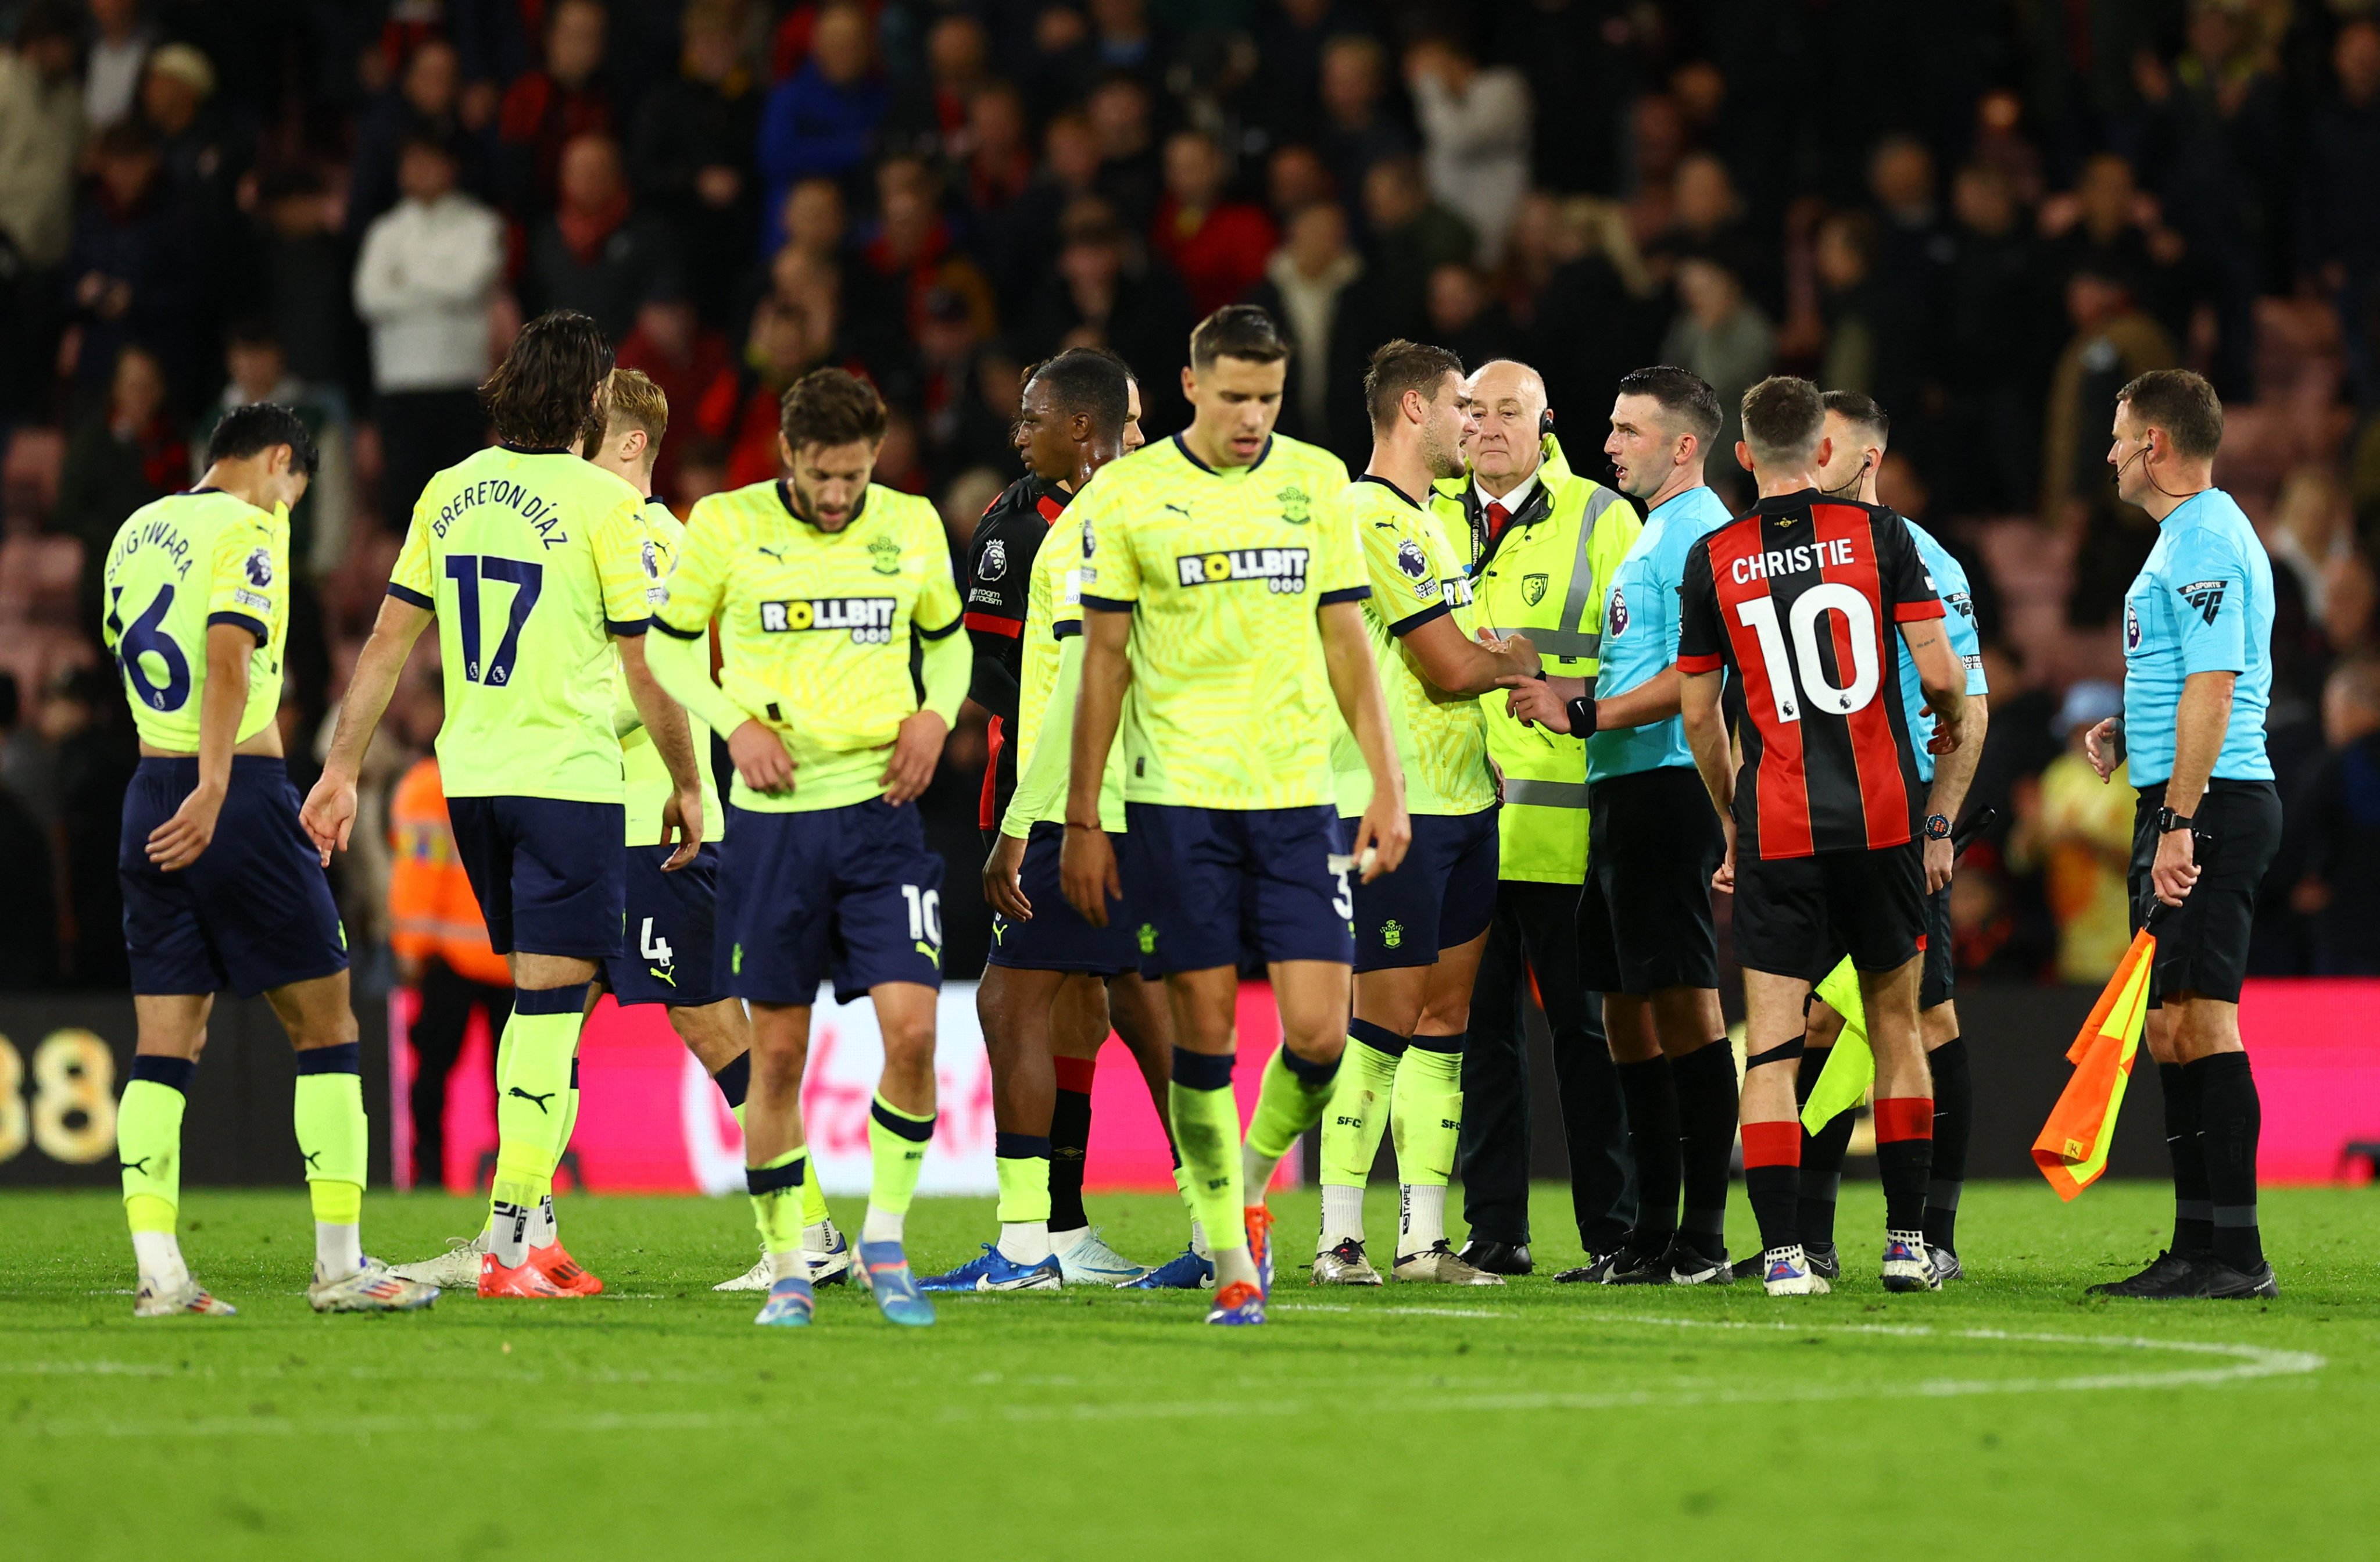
(554, 1262)
(527, 1282)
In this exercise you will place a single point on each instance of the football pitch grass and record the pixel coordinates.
(2006, 1417)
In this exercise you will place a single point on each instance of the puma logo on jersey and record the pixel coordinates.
(140, 1166)
(2206, 596)
(1281, 569)
(868, 619)
(313, 1158)
(1181, 511)
(537, 1100)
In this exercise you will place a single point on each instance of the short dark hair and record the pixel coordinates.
(1237, 331)
(1682, 394)
(252, 331)
(831, 407)
(257, 427)
(1782, 418)
(1857, 407)
(2180, 402)
(542, 395)
(1400, 366)
(1090, 381)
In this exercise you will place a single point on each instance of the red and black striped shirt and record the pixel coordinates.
(1801, 599)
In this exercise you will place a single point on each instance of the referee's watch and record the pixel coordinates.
(2168, 822)
(1938, 827)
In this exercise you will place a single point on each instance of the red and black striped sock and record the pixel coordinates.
(1772, 1177)
(1904, 1157)
(1070, 1141)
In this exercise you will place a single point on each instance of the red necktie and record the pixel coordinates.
(1497, 517)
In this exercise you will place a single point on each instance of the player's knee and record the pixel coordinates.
(1318, 1043)
(909, 1044)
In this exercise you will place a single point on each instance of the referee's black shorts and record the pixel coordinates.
(1644, 921)
(1796, 916)
(2201, 945)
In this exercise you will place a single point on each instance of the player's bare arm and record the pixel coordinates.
(1952, 775)
(330, 812)
(1086, 864)
(1942, 677)
(182, 839)
(1547, 702)
(1002, 889)
(916, 752)
(1456, 665)
(1713, 761)
(1385, 831)
(664, 720)
(2199, 723)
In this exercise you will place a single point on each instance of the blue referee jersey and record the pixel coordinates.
(2202, 603)
(1950, 579)
(1640, 631)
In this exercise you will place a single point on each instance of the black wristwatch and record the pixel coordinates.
(2168, 822)
(1938, 827)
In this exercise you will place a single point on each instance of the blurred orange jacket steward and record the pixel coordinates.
(430, 909)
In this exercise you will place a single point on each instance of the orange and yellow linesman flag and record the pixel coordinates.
(2072, 1149)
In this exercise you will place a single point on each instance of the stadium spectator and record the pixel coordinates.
(129, 277)
(1412, 236)
(597, 253)
(124, 454)
(1314, 285)
(546, 109)
(424, 282)
(913, 253)
(2338, 239)
(2079, 834)
(931, 119)
(1101, 296)
(1291, 38)
(671, 346)
(689, 151)
(996, 184)
(1355, 129)
(1295, 178)
(428, 102)
(1721, 336)
(41, 130)
(1465, 317)
(1220, 247)
(301, 279)
(1475, 129)
(822, 121)
(2104, 225)
(202, 154)
(1131, 175)
(2335, 819)
(256, 368)
(740, 407)
(1708, 219)
(111, 84)
(2112, 340)
(1992, 352)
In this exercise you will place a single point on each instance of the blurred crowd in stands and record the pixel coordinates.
(1988, 215)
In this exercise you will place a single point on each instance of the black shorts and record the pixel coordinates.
(1796, 916)
(673, 927)
(1937, 979)
(851, 892)
(1058, 938)
(550, 874)
(1213, 887)
(2202, 945)
(1645, 921)
(1441, 897)
(252, 914)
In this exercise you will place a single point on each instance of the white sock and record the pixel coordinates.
(1256, 1174)
(1235, 1264)
(1421, 1217)
(1342, 1216)
(792, 1265)
(1026, 1241)
(881, 1225)
(1063, 1242)
(542, 1230)
(1198, 1239)
(508, 1239)
(338, 1250)
(818, 1239)
(159, 1254)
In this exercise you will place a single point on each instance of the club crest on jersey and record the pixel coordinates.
(2206, 596)
(885, 555)
(1616, 621)
(1532, 588)
(2132, 629)
(868, 618)
(1296, 507)
(259, 570)
(1281, 569)
(1414, 564)
(994, 563)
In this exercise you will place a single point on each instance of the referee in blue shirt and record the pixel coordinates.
(2198, 673)
(1646, 939)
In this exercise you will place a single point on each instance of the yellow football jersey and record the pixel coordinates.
(176, 567)
(533, 562)
(1048, 680)
(1441, 739)
(815, 627)
(647, 778)
(1223, 571)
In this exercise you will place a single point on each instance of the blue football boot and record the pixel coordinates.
(1237, 1303)
(790, 1304)
(995, 1270)
(886, 1269)
(1186, 1271)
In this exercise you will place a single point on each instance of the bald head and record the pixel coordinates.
(1503, 405)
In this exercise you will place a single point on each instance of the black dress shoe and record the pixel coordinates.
(1497, 1258)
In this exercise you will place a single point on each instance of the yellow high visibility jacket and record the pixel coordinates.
(1545, 577)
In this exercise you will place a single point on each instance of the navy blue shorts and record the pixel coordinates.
(1210, 885)
(671, 920)
(1058, 938)
(1441, 897)
(253, 913)
(849, 892)
(550, 875)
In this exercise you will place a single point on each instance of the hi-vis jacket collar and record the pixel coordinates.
(1553, 471)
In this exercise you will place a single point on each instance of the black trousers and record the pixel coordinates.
(1536, 931)
(447, 1001)
(423, 434)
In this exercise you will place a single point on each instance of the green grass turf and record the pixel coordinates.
(2004, 1418)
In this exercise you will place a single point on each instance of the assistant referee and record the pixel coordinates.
(2198, 673)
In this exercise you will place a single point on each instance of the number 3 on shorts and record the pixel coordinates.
(925, 914)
